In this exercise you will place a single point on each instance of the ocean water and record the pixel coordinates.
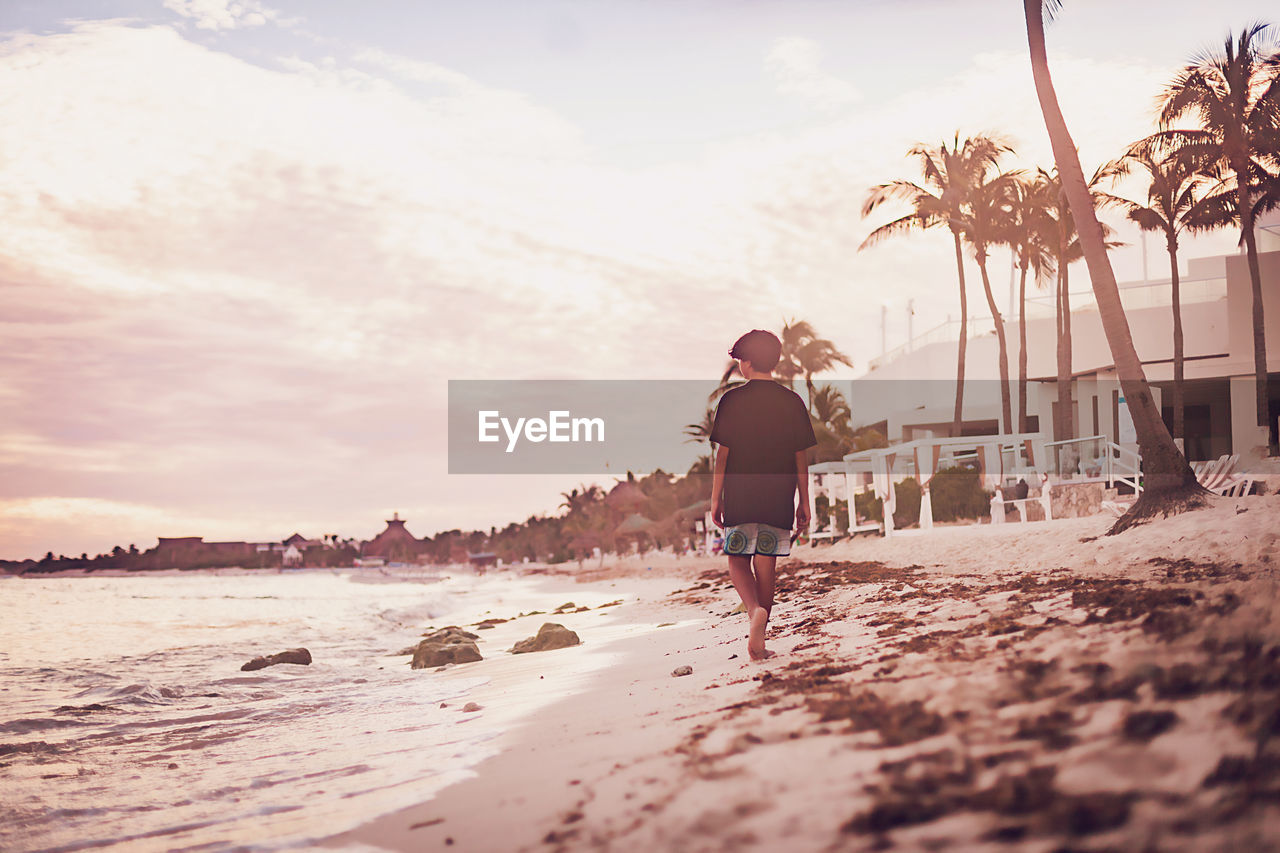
(126, 723)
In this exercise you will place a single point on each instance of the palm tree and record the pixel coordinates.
(572, 500)
(1169, 483)
(581, 499)
(986, 220)
(1025, 232)
(804, 354)
(1179, 198)
(1066, 249)
(1236, 97)
(831, 415)
(701, 431)
(730, 379)
(949, 173)
(701, 466)
(830, 407)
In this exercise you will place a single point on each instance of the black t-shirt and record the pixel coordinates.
(763, 424)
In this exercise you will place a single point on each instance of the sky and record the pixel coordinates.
(247, 243)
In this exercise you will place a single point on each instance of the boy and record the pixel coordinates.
(762, 430)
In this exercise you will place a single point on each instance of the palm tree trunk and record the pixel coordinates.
(1175, 298)
(1062, 426)
(1006, 407)
(1069, 413)
(957, 419)
(1169, 483)
(1022, 351)
(1255, 281)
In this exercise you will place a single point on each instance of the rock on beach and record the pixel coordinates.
(298, 656)
(550, 636)
(448, 645)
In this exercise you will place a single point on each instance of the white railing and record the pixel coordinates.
(1125, 466)
(1077, 458)
(1094, 458)
(941, 333)
(1153, 294)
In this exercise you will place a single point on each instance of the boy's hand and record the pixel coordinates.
(717, 512)
(802, 517)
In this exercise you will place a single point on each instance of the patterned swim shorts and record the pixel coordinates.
(764, 539)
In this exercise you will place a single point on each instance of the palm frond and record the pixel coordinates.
(1216, 209)
(901, 225)
(893, 191)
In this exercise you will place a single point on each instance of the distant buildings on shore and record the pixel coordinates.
(395, 544)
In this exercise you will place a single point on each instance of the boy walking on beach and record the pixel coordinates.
(762, 430)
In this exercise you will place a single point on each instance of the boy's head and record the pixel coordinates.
(761, 348)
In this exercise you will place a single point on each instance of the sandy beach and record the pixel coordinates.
(1036, 688)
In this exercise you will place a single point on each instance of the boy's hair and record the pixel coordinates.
(761, 348)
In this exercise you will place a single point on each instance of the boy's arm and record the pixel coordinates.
(802, 485)
(717, 485)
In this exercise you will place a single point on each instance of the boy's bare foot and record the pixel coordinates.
(755, 640)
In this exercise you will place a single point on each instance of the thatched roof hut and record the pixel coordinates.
(633, 525)
(394, 543)
(625, 496)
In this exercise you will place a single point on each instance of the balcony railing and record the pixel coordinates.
(941, 333)
(1134, 297)
(1154, 294)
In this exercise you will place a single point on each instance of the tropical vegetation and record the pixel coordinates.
(1182, 196)
(1234, 96)
(949, 174)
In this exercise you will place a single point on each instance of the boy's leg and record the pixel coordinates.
(744, 581)
(766, 575)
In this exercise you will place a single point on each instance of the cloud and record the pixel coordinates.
(266, 277)
(795, 65)
(223, 14)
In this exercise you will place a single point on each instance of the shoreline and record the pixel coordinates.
(181, 706)
(502, 791)
(1026, 688)
(610, 613)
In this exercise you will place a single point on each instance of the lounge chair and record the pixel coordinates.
(1217, 472)
(1244, 485)
(1227, 477)
(1221, 478)
(1241, 484)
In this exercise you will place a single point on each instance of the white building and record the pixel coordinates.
(911, 389)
